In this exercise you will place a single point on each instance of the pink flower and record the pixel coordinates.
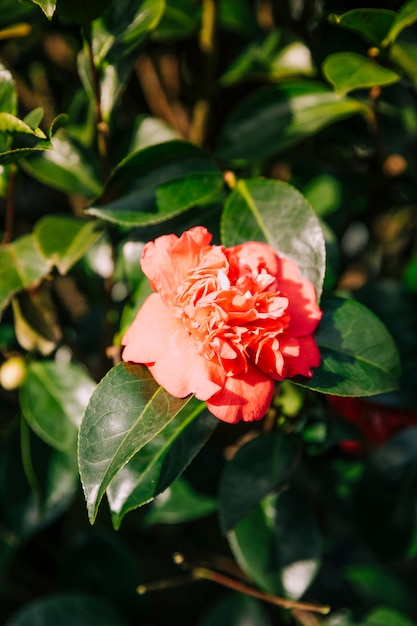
(224, 323)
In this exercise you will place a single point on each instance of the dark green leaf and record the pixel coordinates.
(236, 610)
(53, 399)
(358, 355)
(181, 19)
(385, 498)
(275, 212)
(276, 117)
(8, 95)
(160, 461)
(64, 240)
(121, 29)
(347, 71)
(21, 265)
(260, 466)
(47, 6)
(67, 610)
(286, 554)
(238, 17)
(385, 616)
(372, 24)
(158, 183)
(180, 503)
(126, 411)
(68, 167)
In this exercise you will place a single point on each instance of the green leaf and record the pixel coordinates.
(21, 265)
(277, 117)
(236, 610)
(47, 6)
(347, 71)
(278, 214)
(11, 124)
(406, 16)
(8, 95)
(64, 240)
(385, 616)
(53, 398)
(376, 585)
(386, 495)
(158, 183)
(358, 355)
(36, 320)
(286, 554)
(372, 24)
(121, 29)
(238, 17)
(403, 54)
(161, 461)
(27, 507)
(66, 610)
(68, 167)
(261, 465)
(180, 503)
(181, 19)
(279, 56)
(126, 411)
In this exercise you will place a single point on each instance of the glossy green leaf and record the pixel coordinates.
(149, 131)
(372, 24)
(263, 464)
(347, 71)
(121, 29)
(358, 355)
(66, 610)
(161, 460)
(279, 56)
(47, 6)
(53, 398)
(236, 610)
(180, 503)
(389, 484)
(278, 214)
(64, 240)
(158, 183)
(21, 265)
(68, 167)
(286, 554)
(406, 16)
(126, 411)
(277, 117)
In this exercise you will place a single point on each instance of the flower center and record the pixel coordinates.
(233, 313)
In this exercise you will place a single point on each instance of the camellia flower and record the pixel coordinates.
(224, 323)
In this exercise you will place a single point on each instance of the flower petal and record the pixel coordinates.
(246, 397)
(160, 341)
(167, 260)
(303, 310)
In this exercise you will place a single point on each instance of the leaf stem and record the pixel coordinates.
(9, 215)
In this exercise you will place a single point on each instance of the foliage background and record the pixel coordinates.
(318, 501)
